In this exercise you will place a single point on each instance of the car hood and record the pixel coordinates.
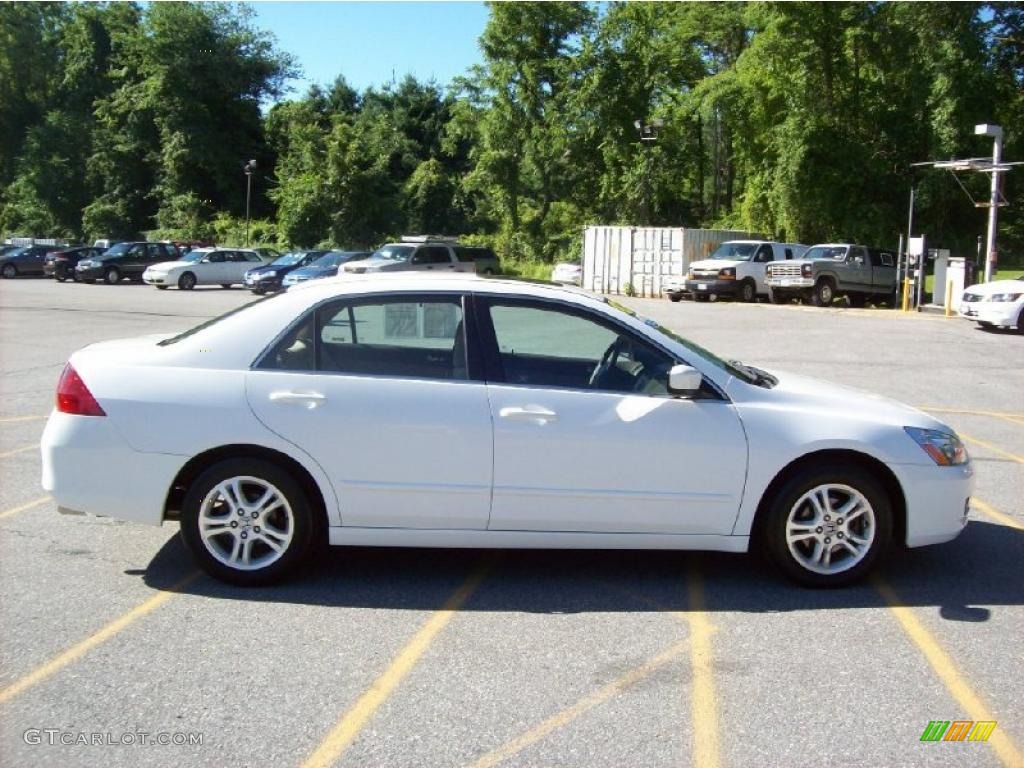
(280, 269)
(168, 265)
(715, 263)
(373, 263)
(813, 396)
(314, 271)
(997, 286)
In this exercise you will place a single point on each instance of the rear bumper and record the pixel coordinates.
(89, 467)
(937, 500)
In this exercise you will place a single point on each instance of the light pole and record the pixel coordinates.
(991, 254)
(249, 168)
(649, 135)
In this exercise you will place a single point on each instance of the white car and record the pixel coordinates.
(203, 266)
(999, 303)
(486, 413)
(567, 273)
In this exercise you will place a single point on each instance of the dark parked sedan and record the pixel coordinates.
(326, 266)
(125, 260)
(61, 264)
(270, 277)
(25, 261)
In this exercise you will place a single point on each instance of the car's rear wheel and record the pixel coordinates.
(247, 522)
(112, 276)
(674, 297)
(748, 291)
(187, 281)
(9, 271)
(225, 285)
(60, 278)
(828, 525)
(161, 287)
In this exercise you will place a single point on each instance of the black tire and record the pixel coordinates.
(823, 294)
(225, 285)
(187, 282)
(675, 297)
(258, 291)
(772, 530)
(1020, 322)
(75, 277)
(112, 276)
(60, 278)
(748, 291)
(161, 287)
(857, 300)
(9, 271)
(777, 298)
(304, 530)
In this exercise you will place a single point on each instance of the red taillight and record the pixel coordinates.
(74, 397)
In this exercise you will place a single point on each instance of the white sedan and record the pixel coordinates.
(487, 413)
(567, 273)
(204, 266)
(996, 304)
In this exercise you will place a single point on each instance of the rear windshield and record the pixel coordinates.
(215, 320)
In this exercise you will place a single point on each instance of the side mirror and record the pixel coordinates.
(684, 380)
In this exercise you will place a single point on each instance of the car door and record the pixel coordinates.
(379, 392)
(586, 436)
(858, 275)
(214, 268)
(240, 262)
(434, 258)
(760, 261)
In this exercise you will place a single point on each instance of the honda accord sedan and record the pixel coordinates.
(488, 413)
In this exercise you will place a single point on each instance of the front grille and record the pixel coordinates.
(705, 273)
(785, 270)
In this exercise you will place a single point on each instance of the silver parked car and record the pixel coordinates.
(427, 253)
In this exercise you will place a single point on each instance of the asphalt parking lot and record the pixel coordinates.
(546, 658)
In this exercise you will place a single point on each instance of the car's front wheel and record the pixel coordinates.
(187, 282)
(112, 276)
(247, 522)
(10, 271)
(828, 525)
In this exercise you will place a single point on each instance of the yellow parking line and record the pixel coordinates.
(353, 721)
(946, 670)
(34, 446)
(14, 419)
(1013, 418)
(994, 449)
(704, 706)
(60, 661)
(584, 705)
(23, 507)
(990, 511)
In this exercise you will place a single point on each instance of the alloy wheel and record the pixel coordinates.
(246, 523)
(830, 528)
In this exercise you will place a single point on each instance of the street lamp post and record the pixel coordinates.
(991, 254)
(249, 168)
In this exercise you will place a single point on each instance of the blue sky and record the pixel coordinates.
(368, 41)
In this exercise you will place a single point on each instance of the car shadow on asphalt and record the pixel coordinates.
(981, 568)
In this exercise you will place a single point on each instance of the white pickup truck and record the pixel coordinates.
(736, 268)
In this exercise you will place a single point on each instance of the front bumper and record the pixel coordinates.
(711, 285)
(89, 273)
(262, 283)
(790, 283)
(158, 279)
(994, 312)
(936, 499)
(89, 467)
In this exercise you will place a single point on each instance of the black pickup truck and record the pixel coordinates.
(835, 269)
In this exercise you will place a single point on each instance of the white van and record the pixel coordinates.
(736, 268)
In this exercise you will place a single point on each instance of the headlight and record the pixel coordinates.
(729, 273)
(1005, 296)
(806, 270)
(945, 448)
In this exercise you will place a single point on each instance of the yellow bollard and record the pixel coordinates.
(906, 294)
(949, 298)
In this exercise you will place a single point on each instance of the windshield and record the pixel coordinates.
(833, 252)
(329, 260)
(117, 250)
(394, 253)
(214, 321)
(711, 357)
(735, 251)
(193, 256)
(288, 259)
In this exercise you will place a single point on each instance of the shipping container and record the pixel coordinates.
(638, 259)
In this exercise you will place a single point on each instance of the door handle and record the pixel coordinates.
(534, 413)
(308, 400)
